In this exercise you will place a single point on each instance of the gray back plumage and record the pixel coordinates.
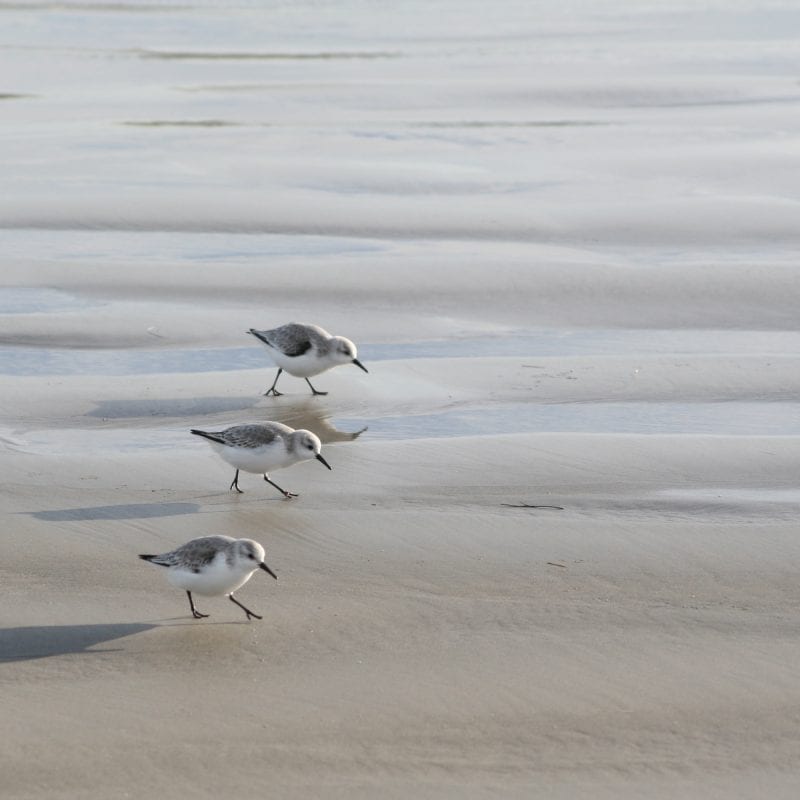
(197, 553)
(257, 434)
(296, 338)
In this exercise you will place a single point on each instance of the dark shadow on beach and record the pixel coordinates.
(124, 511)
(42, 641)
(171, 407)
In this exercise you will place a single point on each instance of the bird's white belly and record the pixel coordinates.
(304, 366)
(213, 579)
(256, 459)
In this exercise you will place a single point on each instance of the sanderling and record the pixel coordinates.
(213, 565)
(305, 350)
(263, 446)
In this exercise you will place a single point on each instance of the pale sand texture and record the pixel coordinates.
(564, 236)
(423, 637)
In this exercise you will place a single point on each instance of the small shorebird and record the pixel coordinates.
(305, 350)
(263, 446)
(213, 565)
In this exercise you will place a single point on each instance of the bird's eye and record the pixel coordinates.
(251, 557)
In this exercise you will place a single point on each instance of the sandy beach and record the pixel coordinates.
(557, 554)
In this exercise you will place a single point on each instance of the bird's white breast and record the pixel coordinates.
(257, 459)
(213, 578)
(304, 366)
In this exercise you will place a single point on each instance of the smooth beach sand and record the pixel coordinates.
(566, 250)
(425, 635)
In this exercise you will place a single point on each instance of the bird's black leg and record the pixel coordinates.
(272, 390)
(235, 484)
(195, 613)
(282, 491)
(244, 608)
(313, 389)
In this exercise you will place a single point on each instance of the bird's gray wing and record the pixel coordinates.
(253, 435)
(294, 339)
(199, 552)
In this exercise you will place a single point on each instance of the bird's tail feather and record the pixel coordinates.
(212, 436)
(152, 560)
(259, 336)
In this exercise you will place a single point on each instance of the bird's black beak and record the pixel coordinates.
(359, 364)
(320, 458)
(267, 569)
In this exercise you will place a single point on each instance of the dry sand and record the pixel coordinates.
(425, 636)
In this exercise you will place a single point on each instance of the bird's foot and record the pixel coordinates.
(197, 615)
(250, 614)
(287, 495)
(273, 392)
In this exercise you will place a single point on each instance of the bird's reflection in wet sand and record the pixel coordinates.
(312, 416)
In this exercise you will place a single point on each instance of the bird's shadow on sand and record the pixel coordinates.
(171, 407)
(117, 512)
(43, 641)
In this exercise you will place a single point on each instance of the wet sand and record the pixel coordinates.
(557, 553)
